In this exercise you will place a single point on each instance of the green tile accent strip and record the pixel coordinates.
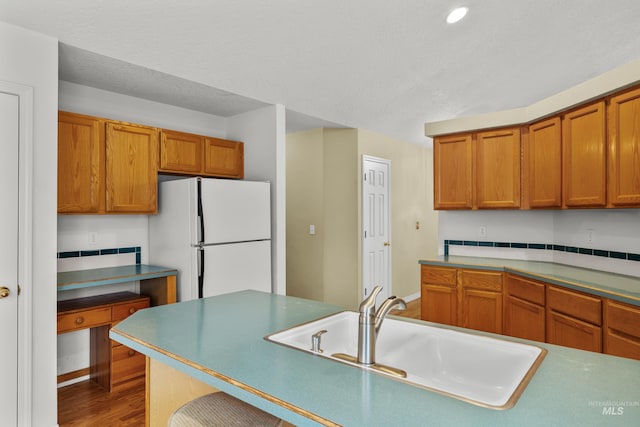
(542, 246)
(137, 250)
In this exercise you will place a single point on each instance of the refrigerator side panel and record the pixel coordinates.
(236, 211)
(173, 230)
(236, 267)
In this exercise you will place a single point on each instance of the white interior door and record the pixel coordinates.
(9, 125)
(376, 233)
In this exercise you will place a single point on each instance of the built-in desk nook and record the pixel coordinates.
(112, 365)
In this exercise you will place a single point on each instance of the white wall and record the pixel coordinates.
(263, 132)
(31, 59)
(611, 230)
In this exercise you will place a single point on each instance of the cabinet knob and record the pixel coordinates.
(132, 310)
(132, 353)
(4, 292)
(79, 320)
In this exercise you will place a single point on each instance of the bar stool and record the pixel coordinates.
(220, 409)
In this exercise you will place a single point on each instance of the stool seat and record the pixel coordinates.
(220, 409)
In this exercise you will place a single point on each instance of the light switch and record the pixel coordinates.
(312, 229)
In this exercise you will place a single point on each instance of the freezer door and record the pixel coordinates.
(237, 267)
(235, 211)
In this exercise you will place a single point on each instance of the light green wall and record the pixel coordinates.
(324, 188)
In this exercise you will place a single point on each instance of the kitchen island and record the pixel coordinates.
(220, 341)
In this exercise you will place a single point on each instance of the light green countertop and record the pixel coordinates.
(608, 285)
(69, 280)
(219, 340)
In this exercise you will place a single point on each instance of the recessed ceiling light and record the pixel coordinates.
(457, 14)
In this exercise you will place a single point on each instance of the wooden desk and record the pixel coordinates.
(112, 365)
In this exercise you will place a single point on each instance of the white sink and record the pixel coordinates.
(481, 370)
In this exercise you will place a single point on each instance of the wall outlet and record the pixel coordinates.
(482, 231)
(93, 238)
(312, 229)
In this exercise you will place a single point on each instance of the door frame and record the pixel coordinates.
(387, 162)
(25, 246)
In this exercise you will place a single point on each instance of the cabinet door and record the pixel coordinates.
(439, 294)
(571, 332)
(621, 329)
(132, 159)
(584, 166)
(523, 319)
(453, 172)
(497, 176)
(80, 164)
(439, 303)
(524, 308)
(624, 149)
(480, 300)
(544, 152)
(223, 158)
(180, 152)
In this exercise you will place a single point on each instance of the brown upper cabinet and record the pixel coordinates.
(80, 164)
(185, 153)
(624, 149)
(105, 166)
(132, 171)
(584, 156)
(453, 172)
(477, 170)
(497, 163)
(543, 156)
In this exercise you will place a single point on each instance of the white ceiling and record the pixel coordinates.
(387, 66)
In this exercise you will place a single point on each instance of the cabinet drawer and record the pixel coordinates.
(477, 279)
(575, 304)
(525, 289)
(82, 319)
(438, 275)
(124, 310)
(126, 364)
(623, 317)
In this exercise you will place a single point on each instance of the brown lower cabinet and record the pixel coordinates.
(574, 319)
(530, 309)
(524, 308)
(621, 329)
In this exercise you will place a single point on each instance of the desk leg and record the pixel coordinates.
(161, 290)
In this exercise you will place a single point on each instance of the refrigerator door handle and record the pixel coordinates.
(200, 213)
(200, 272)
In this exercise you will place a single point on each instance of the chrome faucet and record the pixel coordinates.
(370, 322)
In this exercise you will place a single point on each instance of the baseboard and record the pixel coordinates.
(73, 377)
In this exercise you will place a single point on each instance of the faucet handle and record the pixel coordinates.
(368, 305)
(315, 341)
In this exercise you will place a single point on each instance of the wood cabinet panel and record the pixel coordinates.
(453, 172)
(575, 304)
(126, 364)
(571, 332)
(624, 149)
(481, 310)
(223, 158)
(180, 152)
(80, 163)
(438, 275)
(621, 329)
(439, 303)
(497, 177)
(131, 171)
(524, 319)
(544, 155)
(584, 155)
(480, 294)
(526, 289)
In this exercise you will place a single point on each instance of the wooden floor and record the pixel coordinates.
(86, 404)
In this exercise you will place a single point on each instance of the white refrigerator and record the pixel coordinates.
(216, 233)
